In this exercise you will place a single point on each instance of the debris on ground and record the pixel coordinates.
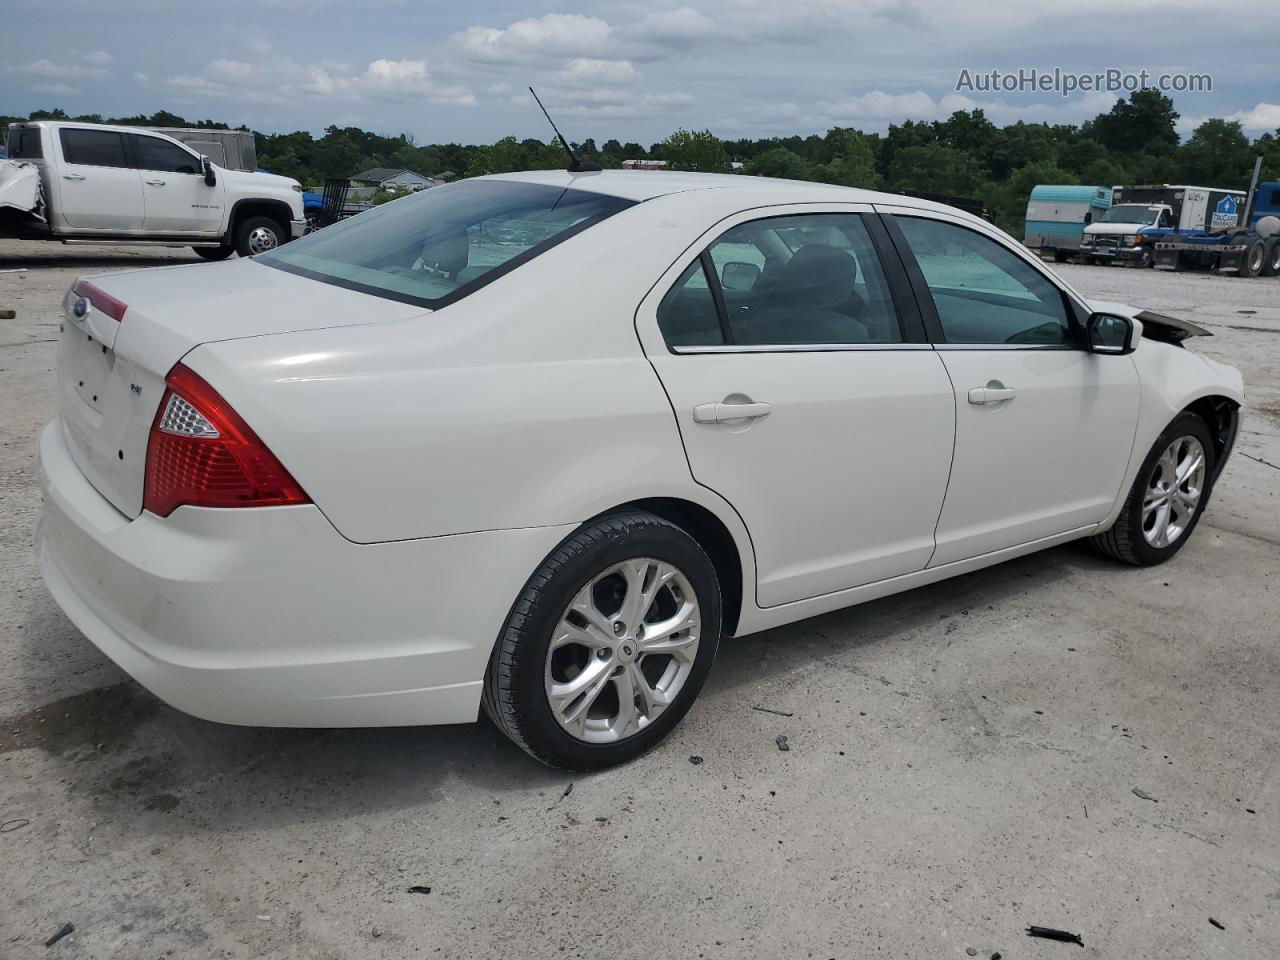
(1049, 933)
(11, 825)
(8, 314)
(983, 952)
(1216, 924)
(1142, 794)
(695, 759)
(781, 741)
(567, 790)
(66, 931)
(417, 888)
(776, 713)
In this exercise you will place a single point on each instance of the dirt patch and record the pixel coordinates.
(1268, 408)
(105, 718)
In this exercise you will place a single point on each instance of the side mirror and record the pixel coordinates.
(1111, 333)
(1088, 218)
(737, 275)
(207, 165)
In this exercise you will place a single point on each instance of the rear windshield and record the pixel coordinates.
(24, 143)
(437, 246)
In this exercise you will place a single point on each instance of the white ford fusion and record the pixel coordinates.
(536, 442)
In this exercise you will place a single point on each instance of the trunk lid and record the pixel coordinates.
(111, 374)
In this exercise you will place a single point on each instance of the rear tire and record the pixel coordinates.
(1161, 494)
(1061, 256)
(1253, 259)
(214, 253)
(1271, 268)
(257, 235)
(530, 680)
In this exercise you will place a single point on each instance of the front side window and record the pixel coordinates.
(983, 292)
(811, 279)
(436, 246)
(94, 148)
(155, 154)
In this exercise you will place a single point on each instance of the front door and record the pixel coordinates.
(98, 188)
(177, 199)
(1044, 429)
(803, 402)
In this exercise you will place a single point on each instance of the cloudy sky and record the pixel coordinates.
(457, 71)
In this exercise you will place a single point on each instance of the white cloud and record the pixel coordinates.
(62, 71)
(1262, 118)
(680, 26)
(99, 57)
(590, 71)
(555, 34)
(54, 88)
(140, 77)
(281, 81)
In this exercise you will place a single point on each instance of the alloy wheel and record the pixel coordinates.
(1173, 492)
(622, 650)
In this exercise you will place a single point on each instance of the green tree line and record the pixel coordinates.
(965, 155)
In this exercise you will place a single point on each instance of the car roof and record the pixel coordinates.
(643, 185)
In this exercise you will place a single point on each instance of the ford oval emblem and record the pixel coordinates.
(80, 307)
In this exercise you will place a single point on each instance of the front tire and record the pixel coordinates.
(1168, 497)
(608, 644)
(257, 235)
(213, 253)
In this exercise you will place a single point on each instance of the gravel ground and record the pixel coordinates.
(963, 758)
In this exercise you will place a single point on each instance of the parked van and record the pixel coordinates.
(1057, 215)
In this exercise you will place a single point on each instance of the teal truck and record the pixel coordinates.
(1057, 215)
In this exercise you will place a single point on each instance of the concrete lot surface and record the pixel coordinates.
(963, 758)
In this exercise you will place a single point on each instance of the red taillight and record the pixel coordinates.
(101, 300)
(202, 454)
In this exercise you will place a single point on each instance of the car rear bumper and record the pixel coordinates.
(269, 617)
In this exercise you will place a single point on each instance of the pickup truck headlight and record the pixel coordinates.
(1132, 240)
(297, 187)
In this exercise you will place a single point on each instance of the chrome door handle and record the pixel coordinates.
(980, 395)
(722, 412)
(73, 176)
(154, 183)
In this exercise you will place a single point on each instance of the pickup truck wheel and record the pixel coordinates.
(1271, 268)
(258, 235)
(214, 253)
(1253, 259)
(1061, 256)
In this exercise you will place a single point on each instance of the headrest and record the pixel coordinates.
(447, 254)
(818, 276)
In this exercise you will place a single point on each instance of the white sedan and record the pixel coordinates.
(535, 442)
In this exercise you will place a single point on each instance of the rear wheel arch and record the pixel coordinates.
(716, 540)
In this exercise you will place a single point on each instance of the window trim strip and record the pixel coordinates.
(717, 294)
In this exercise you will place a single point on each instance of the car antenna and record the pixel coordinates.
(575, 165)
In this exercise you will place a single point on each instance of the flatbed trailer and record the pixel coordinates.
(1246, 244)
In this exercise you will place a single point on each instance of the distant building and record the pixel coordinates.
(386, 178)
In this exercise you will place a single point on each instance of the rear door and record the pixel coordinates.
(1044, 429)
(176, 198)
(99, 188)
(805, 394)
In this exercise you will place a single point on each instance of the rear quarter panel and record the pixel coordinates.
(528, 403)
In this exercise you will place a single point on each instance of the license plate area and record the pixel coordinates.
(88, 364)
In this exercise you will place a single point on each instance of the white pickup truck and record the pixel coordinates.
(91, 183)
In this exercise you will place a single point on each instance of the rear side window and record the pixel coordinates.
(24, 143)
(155, 154)
(812, 280)
(984, 293)
(437, 246)
(94, 148)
